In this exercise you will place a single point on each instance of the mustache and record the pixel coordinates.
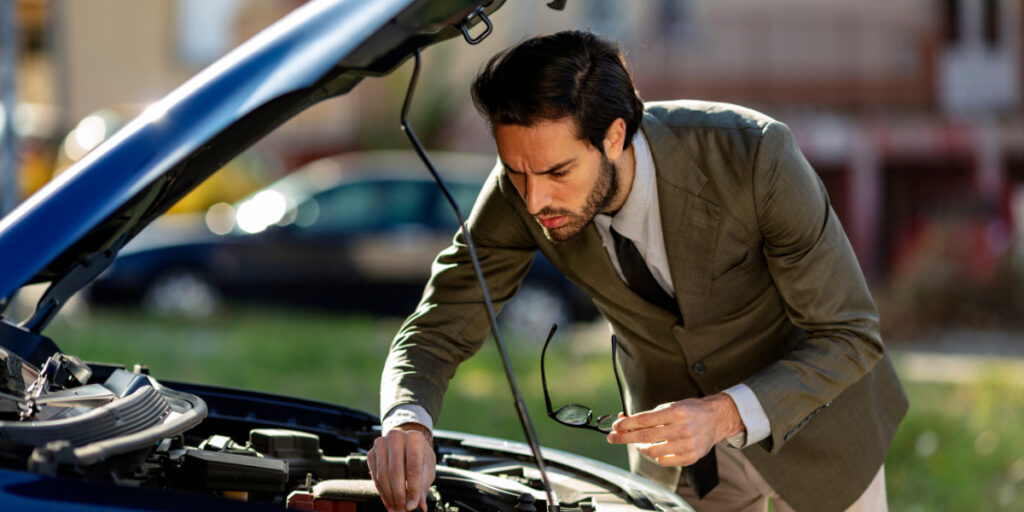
(548, 211)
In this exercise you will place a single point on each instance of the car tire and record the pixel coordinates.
(532, 311)
(182, 292)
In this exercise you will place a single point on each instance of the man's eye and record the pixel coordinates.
(559, 174)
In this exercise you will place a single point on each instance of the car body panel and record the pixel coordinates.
(28, 491)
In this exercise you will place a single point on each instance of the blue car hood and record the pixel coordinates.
(77, 223)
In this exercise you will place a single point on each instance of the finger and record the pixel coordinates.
(428, 477)
(423, 503)
(377, 461)
(429, 470)
(415, 491)
(685, 448)
(643, 419)
(643, 435)
(429, 465)
(396, 469)
(677, 460)
(388, 496)
(371, 463)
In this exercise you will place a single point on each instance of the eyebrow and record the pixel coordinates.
(549, 170)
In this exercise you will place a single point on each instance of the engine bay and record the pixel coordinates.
(103, 423)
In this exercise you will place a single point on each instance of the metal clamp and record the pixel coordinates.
(479, 12)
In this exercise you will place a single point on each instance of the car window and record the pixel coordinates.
(366, 206)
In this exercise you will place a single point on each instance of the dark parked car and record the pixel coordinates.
(76, 435)
(352, 232)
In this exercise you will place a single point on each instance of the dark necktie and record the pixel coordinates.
(638, 276)
(702, 476)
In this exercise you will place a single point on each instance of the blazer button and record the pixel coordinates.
(699, 367)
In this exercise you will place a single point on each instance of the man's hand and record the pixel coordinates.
(403, 465)
(680, 433)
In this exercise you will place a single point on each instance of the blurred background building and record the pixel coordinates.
(910, 110)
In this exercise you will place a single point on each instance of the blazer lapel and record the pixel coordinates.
(689, 222)
(588, 265)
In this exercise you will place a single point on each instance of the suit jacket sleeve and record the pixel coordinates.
(450, 323)
(825, 294)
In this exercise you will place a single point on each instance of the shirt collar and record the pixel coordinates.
(631, 219)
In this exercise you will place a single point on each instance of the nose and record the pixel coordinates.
(536, 195)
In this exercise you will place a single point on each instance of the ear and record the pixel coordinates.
(614, 138)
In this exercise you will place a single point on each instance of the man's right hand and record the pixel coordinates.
(402, 464)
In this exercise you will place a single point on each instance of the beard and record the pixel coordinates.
(598, 199)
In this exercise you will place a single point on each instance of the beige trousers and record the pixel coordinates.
(741, 489)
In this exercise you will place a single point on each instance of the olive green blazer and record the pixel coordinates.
(769, 291)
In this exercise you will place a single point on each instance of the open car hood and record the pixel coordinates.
(322, 49)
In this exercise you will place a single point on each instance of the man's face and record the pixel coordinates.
(563, 180)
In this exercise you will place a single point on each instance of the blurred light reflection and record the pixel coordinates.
(220, 218)
(89, 133)
(266, 208)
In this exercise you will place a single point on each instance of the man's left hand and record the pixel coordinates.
(680, 433)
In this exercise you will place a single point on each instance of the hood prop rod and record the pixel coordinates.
(61, 289)
(524, 414)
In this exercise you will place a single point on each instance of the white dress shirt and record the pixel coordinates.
(639, 219)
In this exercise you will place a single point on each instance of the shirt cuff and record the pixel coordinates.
(752, 414)
(405, 413)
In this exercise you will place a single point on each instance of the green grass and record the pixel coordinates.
(960, 448)
(314, 356)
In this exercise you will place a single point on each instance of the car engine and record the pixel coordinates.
(93, 422)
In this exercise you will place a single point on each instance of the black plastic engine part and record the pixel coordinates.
(285, 444)
(217, 471)
(302, 452)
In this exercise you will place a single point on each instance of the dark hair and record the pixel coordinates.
(573, 74)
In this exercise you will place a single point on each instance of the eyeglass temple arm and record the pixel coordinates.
(543, 377)
(615, 370)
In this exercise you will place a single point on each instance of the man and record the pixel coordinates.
(752, 354)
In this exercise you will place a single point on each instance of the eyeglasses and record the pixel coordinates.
(575, 415)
